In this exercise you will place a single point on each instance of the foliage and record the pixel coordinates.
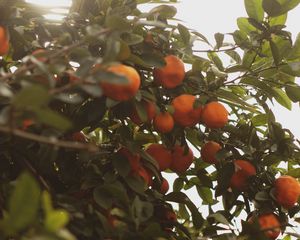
(57, 185)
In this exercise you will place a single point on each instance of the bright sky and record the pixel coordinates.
(209, 17)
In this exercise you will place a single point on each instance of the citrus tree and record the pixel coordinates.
(93, 109)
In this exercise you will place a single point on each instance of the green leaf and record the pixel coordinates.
(248, 58)
(259, 120)
(216, 60)
(294, 173)
(254, 9)
(56, 220)
(184, 33)
(282, 98)
(180, 197)
(219, 37)
(245, 26)
(52, 118)
(23, 203)
(275, 53)
(278, 7)
(206, 195)
(293, 92)
(31, 97)
(164, 11)
(272, 7)
(279, 20)
(153, 59)
(219, 218)
(117, 23)
(295, 52)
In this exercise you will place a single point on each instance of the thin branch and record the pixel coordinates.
(217, 50)
(50, 140)
(58, 53)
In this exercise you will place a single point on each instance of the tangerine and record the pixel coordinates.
(184, 112)
(287, 191)
(4, 41)
(122, 91)
(243, 170)
(181, 160)
(164, 187)
(214, 115)
(133, 159)
(150, 111)
(161, 155)
(209, 151)
(172, 74)
(163, 122)
(269, 224)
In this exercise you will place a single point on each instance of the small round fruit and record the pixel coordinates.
(78, 137)
(243, 170)
(181, 160)
(172, 74)
(122, 91)
(4, 41)
(142, 172)
(133, 159)
(209, 151)
(164, 187)
(287, 191)
(184, 112)
(161, 155)
(27, 123)
(163, 122)
(269, 224)
(214, 115)
(150, 111)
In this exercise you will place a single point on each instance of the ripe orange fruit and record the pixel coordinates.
(142, 172)
(184, 112)
(163, 122)
(39, 54)
(214, 115)
(78, 137)
(27, 123)
(269, 224)
(4, 41)
(243, 170)
(150, 110)
(164, 187)
(172, 74)
(181, 160)
(133, 159)
(170, 216)
(122, 91)
(287, 191)
(209, 151)
(161, 155)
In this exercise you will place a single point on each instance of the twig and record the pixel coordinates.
(50, 140)
(217, 50)
(32, 65)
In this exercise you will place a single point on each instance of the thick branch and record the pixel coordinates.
(49, 140)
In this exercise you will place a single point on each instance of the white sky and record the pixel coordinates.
(209, 17)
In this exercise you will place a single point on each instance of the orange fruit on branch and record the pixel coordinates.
(122, 91)
(287, 191)
(164, 187)
(243, 170)
(209, 151)
(161, 154)
(163, 122)
(4, 41)
(185, 114)
(133, 159)
(269, 224)
(145, 175)
(214, 115)
(150, 112)
(181, 160)
(172, 74)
